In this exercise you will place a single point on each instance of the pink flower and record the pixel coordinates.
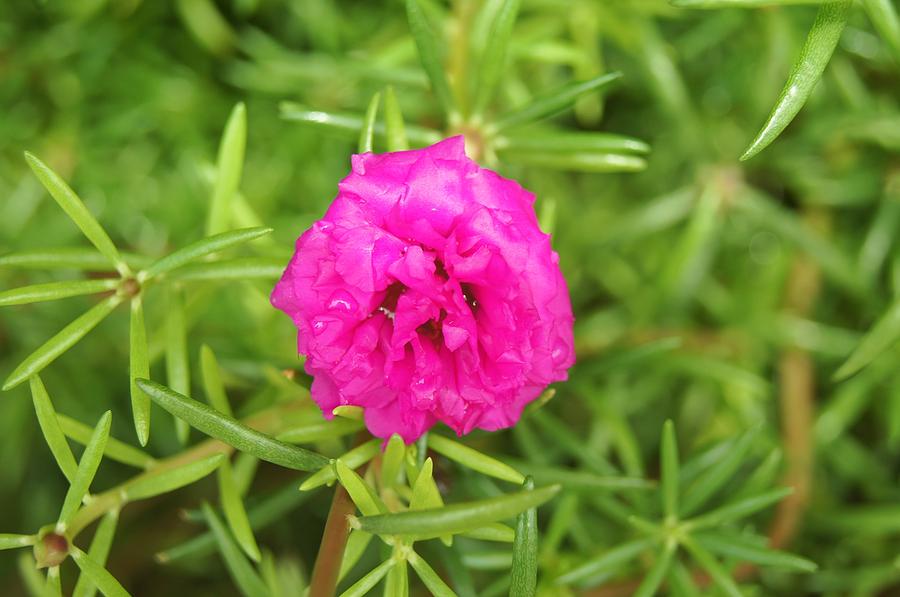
(428, 293)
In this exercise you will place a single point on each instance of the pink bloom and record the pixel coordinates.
(428, 293)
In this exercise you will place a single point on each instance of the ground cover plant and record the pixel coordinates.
(721, 183)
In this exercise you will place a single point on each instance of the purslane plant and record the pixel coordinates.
(394, 490)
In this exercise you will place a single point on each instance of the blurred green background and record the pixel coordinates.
(720, 294)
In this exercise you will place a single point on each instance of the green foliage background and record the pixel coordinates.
(723, 295)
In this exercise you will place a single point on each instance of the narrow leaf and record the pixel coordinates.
(99, 552)
(397, 582)
(9, 541)
(654, 577)
(473, 459)
(608, 560)
(87, 468)
(212, 381)
(698, 493)
(368, 582)
(352, 123)
(425, 492)
(523, 575)
(203, 247)
(428, 54)
(102, 579)
(393, 118)
(577, 161)
(356, 546)
(77, 258)
(362, 494)
(739, 509)
(139, 365)
(816, 52)
(498, 532)
(245, 577)
(669, 459)
(884, 17)
(231, 431)
(392, 460)
(353, 459)
(61, 342)
(235, 514)
(367, 133)
(313, 432)
(555, 101)
(241, 269)
(572, 142)
(720, 576)
(55, 290)
(493, 61)
(160, 481)
(115, 449)
(738, 3)
(456, 518)
(53, 433)
(877, 340)
(76, 210)
(229, 166)
(178, 370)
(430, 578)
(730, 547)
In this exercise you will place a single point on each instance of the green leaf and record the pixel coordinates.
(669, 472)
(523, 575)
(353, 123)
(816, 52)
(497, 531)
(368, 582)
(884, 17)
(239, 269)
(115, 449)
(397, 582)
(102, 579)
(362, 494)
(203, 247)
(87, 468)
(61, 342)
(392, 461)
(32, 579)
(354, 459)
(742, 550)
(99, 552)
(55, 290)
(434, 583)
(393, 118)
(739, 3)
(555, 101)
(158, 482)
(212, 381)
(473, 459)
(53, 587)
(68, 258)
(229, 166)
(425, 493)
(607, 560)
(245, 577)
(178, 369)
(456, 518)
(715, 477)
(53, 433)
(576, 161)
(235, 514)
(578, 480)
(367, 133)
(739, 508)
(493, 62)
(719, 575)
(654, 577)
(232, 432)
(10, 541)
(76, 210)
(308, 433)
(356, 546)
(876, 342)
(139, 365)
(566, 142)
(428, 54)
